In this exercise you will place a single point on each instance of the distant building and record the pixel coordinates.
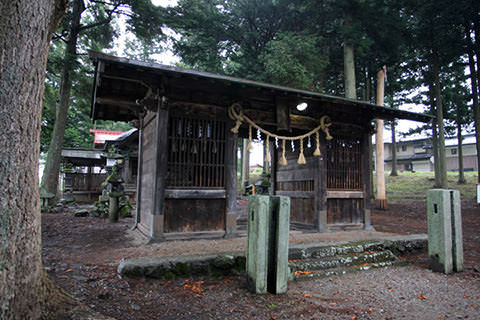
(416, 155)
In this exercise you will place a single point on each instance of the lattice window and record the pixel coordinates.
(301, 185)
(344, 164)
(196, 153)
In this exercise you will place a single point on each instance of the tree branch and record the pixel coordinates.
(105, 21)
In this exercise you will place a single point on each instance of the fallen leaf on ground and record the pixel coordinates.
(422, 297)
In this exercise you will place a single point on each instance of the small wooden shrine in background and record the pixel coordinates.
(187, 152)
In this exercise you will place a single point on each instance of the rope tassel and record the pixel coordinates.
(235, 112)
(283, 159)
(317, 152)
(301, 157)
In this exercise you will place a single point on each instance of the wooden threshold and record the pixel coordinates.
(345, 194)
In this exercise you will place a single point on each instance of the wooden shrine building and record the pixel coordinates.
(189, 122)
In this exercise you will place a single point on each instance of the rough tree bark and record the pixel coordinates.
(25, 30)
(461, 174)
(474, 83)
(441, 132)
(52, 165)
(349, 60)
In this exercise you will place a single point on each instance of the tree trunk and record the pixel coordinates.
(349, 61)
(381, 199)
(476, 48)
(52, 165)
(441, 132)
(394, 172)
(25, 31)
(476, 112)
(461, 175)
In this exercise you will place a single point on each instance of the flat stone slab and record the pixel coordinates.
(182, 266)
(171, 267)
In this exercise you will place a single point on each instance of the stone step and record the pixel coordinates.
(306, 275)
(345, 260)
(314, 252)
(308, 259)
(398, 245)
(339, 264)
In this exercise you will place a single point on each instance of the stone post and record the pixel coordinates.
(113, 209)
(445, 246)
(267, 248)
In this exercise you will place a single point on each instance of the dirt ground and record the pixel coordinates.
(82, 254)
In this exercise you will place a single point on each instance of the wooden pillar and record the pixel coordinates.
(160, 169)
(245, 162)
(381, 199)
(230, 180)
(138, 199)
(367, 182)
(320, 183)
(272, 166)
(89, 182)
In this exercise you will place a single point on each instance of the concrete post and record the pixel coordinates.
(445, 246)
(267, 248)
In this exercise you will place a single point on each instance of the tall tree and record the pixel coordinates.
(25, 31)
(88, 24)
(474, 83)
(102, 14)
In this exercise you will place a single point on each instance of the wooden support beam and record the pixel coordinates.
(194, 194)
(320, 187)
(160, 168)
(282, 113)
(336, 194)
(138, 200)
(230, 179)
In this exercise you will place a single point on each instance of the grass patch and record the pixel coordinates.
(413, 186)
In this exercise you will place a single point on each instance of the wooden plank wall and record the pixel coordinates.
(193, 215)
(80, 181)
(345, 211)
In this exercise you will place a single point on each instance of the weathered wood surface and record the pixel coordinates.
(230, 168)
(345, 211)
(296, 194)
(298, 182)
(147, 170)
(194, 194)
(345, 194)
(366, 169)
(193, 215)
(138, 196)
(344, 164)
(85, 181)
(160, 156)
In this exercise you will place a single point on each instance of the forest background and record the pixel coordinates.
(430, 48)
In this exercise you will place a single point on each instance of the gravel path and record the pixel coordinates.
(82, 254)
